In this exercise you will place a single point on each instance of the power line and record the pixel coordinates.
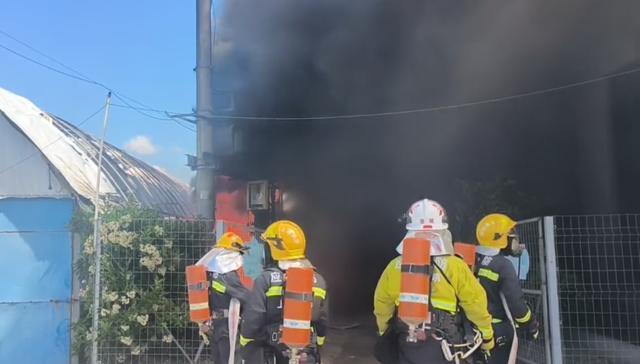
(129, 106)
(427, 109)
(50, 143)
(77, 76)
(144, 108)
(139, 111)
(442, 107)
(343, 116)
(52, 68)
(42, 54)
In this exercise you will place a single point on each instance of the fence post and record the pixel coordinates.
(543, 291)
(97, 240)
(553, 301)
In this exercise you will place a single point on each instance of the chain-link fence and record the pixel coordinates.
(156, 315)
(599, 287)
(531, 270)
(581, 278)
(144, 309)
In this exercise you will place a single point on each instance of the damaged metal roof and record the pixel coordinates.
(74, 154)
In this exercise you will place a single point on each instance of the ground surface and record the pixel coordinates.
(350, 345)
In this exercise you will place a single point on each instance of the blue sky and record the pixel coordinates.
(143, 49)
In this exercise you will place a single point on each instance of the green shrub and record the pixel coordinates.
(143, 302)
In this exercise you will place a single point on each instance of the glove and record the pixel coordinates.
(320, 340)
(487, 346)
(203, 330)
(532, 331)
(244, 341)
(382, 330)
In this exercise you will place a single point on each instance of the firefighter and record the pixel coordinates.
(496, 239)
(225, 272)
(455, 294)
(263, 315)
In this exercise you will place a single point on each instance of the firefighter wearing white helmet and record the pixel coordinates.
(455, 295)
(426, 218)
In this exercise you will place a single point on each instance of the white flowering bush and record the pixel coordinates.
(143, 299)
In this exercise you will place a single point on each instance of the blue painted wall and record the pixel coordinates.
(254, 259)
(35, 280)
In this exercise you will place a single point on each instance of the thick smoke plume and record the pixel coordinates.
(569, 150)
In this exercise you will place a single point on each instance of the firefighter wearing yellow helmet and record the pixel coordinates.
(455, 296)
(225, 273)
(496, 238)
(263, 317)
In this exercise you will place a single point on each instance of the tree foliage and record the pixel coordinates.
(479, 198)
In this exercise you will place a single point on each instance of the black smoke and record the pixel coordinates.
(570, 151)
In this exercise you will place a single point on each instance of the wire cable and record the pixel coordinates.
(81, 77)
(52, 68)
(50, 143)
(442, 107)
(350, 116)
(42, 54)
(140, 111)
(423, 110)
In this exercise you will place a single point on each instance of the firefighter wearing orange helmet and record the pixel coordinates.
(455, 296)
(226, 275)
(496, 239)
(263, 318)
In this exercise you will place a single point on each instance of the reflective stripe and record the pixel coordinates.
(198, 306)
(218, 314)
(414, 298)
(274, 291)
(296, 324)
(319, 292)
(244, 341)
(298, 296)
(526, 318)
(446, 305)
(218, 287)
(495, 321)
(415, 269)
(484, 272)
(320, 340)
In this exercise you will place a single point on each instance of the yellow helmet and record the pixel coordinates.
(286, 240)
(230, 241)
(494, 229)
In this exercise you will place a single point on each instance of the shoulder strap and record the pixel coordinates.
(448, 281)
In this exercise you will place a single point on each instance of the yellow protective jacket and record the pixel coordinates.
(471, 296)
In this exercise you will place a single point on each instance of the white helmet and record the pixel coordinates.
(428, 219)
(426, 215)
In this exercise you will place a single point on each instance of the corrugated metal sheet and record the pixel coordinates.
(35, 294)
(74, 153)
(26, 177)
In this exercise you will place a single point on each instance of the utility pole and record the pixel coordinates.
(205, 169)
(97, 242)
